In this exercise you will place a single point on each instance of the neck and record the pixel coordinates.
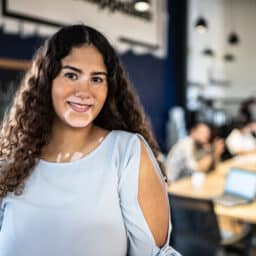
(66, 139)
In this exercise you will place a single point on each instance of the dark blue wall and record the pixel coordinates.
(16, 47)
(148, 75)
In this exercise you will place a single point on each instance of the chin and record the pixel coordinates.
(79, 125)
(81, 121)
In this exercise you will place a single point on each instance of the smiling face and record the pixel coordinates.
(80, 89)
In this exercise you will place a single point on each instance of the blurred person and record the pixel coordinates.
(241, 140)
(79, 174)
(194, 153)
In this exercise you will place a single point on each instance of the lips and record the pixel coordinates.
(79, 107)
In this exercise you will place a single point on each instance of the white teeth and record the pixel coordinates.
(78, 104)
(78, 107)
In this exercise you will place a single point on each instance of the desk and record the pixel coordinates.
(214, 186)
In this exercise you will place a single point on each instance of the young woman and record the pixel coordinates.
(78, 176)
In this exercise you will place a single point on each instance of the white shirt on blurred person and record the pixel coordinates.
(180, 161)
(241, 141)
(193, 153)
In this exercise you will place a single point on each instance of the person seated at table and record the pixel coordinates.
(193, 153)
(241, 140)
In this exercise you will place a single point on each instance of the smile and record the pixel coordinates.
(78, 107)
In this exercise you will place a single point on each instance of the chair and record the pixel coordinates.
(196, 231)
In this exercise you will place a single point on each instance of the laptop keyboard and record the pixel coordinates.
(230, 200)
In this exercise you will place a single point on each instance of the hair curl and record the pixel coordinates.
(27, 127)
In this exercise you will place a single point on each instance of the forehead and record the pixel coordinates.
(85, 56)
(203, 128)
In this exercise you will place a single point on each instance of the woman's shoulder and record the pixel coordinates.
(125, 135)
(126, 143)
(115, 135)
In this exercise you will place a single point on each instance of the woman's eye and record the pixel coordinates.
(97, 80)
(71, 76)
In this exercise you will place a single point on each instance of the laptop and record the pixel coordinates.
(240, 188)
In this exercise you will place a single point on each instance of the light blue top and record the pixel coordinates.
(86, 207)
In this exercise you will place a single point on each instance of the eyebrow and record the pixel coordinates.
(80, 71)
(72, 68)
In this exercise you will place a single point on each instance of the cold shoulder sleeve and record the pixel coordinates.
(1, 213)
(140, 238)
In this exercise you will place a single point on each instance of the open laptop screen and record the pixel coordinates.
(241, 182)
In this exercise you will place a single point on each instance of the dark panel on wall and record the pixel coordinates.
(17, 47)
(178, 49)
(148, 76)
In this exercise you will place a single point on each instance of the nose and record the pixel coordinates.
(83, 90)
(82, 95)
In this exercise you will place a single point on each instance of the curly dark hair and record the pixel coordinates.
(27, 127)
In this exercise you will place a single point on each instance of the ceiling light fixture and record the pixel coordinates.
(201, 25)
(233, 38)
(229, 57)
(142, 5)
(208, 52)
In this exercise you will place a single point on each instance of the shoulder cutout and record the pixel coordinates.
(152, 198)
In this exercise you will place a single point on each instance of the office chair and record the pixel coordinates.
(196, 231)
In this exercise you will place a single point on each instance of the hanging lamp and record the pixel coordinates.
(233, 38)
(201, 25)
(142, 5)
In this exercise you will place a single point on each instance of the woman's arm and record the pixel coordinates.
(143, 201)
(153, 199)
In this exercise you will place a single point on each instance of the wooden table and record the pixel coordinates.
(213, 186)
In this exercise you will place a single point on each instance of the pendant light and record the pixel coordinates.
(229, 57)
(142, 5)
(201, 25)
(208, 52)
(233, 37)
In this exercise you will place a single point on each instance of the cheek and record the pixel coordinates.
(60, 90)
(102, 95)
